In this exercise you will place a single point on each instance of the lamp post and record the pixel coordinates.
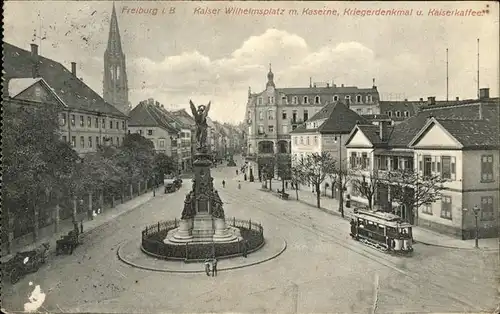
(475, 211)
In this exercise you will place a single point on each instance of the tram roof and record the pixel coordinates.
(382, 218)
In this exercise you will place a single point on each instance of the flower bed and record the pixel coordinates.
(153, 236)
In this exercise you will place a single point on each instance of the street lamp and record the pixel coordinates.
(475, 211)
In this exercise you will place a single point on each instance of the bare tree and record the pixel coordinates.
(296, 172)
(366, 185)
(316, 168)
(343, 177)
(413, 190)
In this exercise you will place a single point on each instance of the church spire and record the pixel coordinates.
(114, 40)
(115, 83)
(270, 77)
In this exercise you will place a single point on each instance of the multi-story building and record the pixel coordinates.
(168, 133)
(115, 82)
(86, 120)
(148, 120)
(327, 131)
(459, 142)
(273, 113)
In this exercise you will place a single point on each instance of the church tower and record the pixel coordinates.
(115, 85)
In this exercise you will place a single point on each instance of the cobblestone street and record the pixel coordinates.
(322, 269)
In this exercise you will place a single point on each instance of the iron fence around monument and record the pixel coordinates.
(154, 234)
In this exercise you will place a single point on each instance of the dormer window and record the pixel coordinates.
(284, 99)
(407, 114)
(295, 100)
(389, 113)
(369, 98)
(316, 100)
(259, 101)
(335, 97)
(358, 98)
(306, 100)
(271, 99)
(347, 97)
(398, 114)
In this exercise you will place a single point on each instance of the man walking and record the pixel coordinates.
(223, 183)
(207, 267)
(214, 267)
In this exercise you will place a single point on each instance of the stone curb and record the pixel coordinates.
(121, 258)
(346, 217)
(456, 247)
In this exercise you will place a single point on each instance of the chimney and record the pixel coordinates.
(327, 85)
(310, 82)
(421, 99)
(431, 100)
(342, 85)
(73, 68)
(457, 98)
(480, 111)
(151, 101)
(406, 99)
(34, 50)
(314, 85)
(34, 58)
(383, 127)
(484, 93)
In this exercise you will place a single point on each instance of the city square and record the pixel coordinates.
(221, 157)
(321, 270)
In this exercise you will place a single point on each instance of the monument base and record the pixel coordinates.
(203, 228)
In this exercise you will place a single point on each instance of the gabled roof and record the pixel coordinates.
(18, 63)
(469, 133)
(144, 115)
(339, 120)
(17, 86)
(372, 133)
(184, 117)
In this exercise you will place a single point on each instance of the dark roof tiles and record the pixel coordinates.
(75, 93)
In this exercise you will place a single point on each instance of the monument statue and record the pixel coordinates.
(200, 117)
(202, 219)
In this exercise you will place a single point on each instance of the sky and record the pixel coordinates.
(182, 54)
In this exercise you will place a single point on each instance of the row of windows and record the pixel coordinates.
(398, 114)
(317, 99)
(284, 115)
(306, 140)
(445, 166)
(487, 210)
(149, 132)
(112, 124)
(89, 143)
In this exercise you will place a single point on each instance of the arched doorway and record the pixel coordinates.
(266, 147)
(283, 147)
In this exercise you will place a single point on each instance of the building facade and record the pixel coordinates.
(115, 83)
(457, 141)
(86, 120)
(273, 113)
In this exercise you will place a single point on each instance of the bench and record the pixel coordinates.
(283, 195)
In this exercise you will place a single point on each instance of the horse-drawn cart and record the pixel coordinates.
(25, 262)
(68, 242)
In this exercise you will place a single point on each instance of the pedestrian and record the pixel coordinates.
(286, 185)
(245, 248)
(236, 171)
(239, 185)
(245, 176)
(214, 267)
(207, 267)
(81, 226)
(223, 183)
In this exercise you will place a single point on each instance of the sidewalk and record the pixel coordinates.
(420, 235)
(48, 234)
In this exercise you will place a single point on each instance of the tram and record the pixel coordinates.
(383, 231)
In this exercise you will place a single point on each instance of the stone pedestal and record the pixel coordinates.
(201, 222)
(184, 230)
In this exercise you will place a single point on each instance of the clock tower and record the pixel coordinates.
(115, 84)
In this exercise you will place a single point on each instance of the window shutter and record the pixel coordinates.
(433, 168)
(420, 164)
(438, 165)
(452, 170)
